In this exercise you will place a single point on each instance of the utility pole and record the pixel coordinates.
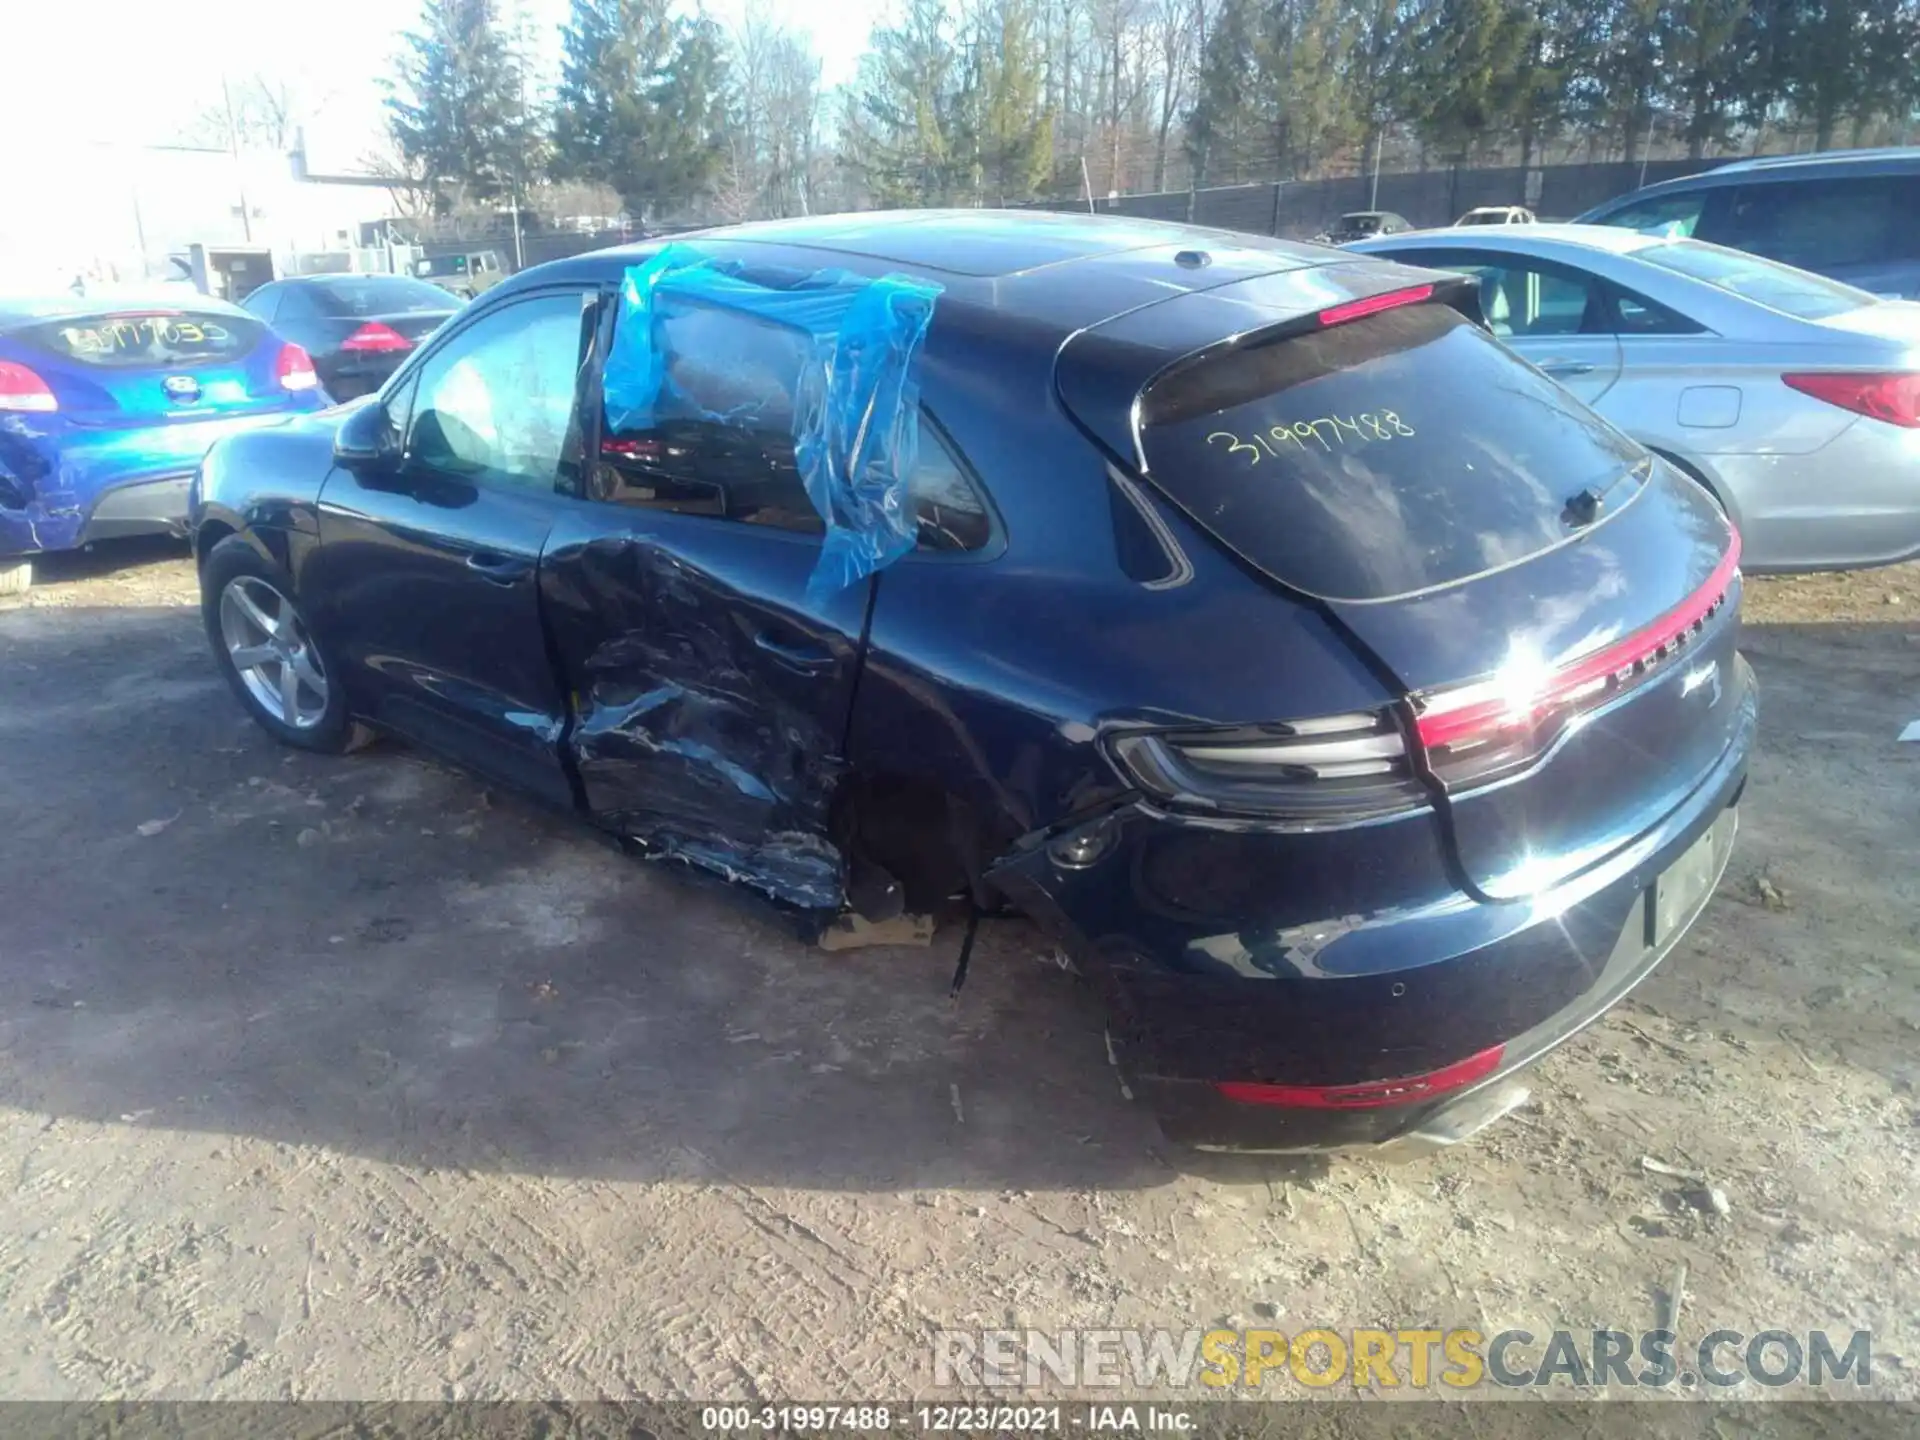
(233, 148)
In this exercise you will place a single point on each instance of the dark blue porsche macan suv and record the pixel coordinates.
(1360, 711)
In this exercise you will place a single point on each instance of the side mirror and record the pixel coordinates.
(367, 442)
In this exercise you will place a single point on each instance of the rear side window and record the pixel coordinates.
(131, 340)
(1673, 216)
(1818, 224)
(1779, 287)
(1390, 454)
(738, 463)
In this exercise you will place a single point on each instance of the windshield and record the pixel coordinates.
(1387, 455)
(441, 265)
(1779, 287)
(395, 295)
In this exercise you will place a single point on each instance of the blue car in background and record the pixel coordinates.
(107, 406)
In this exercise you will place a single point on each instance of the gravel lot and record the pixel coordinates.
(348, 1078)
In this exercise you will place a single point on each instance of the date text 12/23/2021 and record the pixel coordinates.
(946, 1419)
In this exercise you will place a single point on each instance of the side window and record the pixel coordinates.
(1637, 315)
(262, 301)
(1673, 216)
(737, 461)
(496, 404)
(1521, 302)
(948, 509)
(1817, 224)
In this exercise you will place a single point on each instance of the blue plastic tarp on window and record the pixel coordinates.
(832, 358)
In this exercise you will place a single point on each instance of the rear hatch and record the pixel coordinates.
(1559, 607)
(146, 366)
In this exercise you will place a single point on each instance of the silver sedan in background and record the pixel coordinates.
(1795, 399)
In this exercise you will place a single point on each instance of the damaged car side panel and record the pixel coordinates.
(710, 696)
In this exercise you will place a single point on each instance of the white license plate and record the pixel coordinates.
(1684, 885)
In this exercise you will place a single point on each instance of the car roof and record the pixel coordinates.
(1058, 270)
(24, 309)
(1887, 160)
(986, 243)
(1904, 156)
(343, 277)
(1610, 238)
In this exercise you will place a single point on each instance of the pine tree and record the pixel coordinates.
(456, 108)
(613, 54)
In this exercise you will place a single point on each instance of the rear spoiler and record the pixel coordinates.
(1102, 373)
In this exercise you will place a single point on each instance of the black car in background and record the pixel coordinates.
(357, 328)
(1361, 710)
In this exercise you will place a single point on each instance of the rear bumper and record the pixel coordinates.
(64, 485)
(151, 507)
(1197, 1113)
(1205, 988)
(349, 378)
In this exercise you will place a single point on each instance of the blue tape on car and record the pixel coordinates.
(829, 362)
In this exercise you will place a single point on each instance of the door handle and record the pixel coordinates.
(808, 659)
(500, 569)
(1557, 368)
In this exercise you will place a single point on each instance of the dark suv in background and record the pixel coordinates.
(1850, 214)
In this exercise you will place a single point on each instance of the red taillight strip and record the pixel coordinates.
(1373, 304)
(1371, 1094)
(1472, 710)
(376, 337)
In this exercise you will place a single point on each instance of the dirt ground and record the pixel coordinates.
(347, 1078)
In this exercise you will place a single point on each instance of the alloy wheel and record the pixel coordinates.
(272, 652)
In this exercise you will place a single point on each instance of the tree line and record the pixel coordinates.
(970, 102)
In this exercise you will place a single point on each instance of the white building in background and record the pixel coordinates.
(115, 213)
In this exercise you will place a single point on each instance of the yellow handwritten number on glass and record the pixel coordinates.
(1236, 445)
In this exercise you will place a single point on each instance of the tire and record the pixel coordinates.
(248, 607)
(16, 576)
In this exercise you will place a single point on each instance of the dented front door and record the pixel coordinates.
(709, 696)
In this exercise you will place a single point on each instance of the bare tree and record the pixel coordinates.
(1175, 28)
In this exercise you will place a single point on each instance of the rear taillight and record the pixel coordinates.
(374, 338)
(1330, 769)
(22, 389)
(1476, 732)
(1373, 305)
(1371, 1094)
(1892, 396)
(294, 368)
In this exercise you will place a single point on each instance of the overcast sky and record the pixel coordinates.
(74, 73)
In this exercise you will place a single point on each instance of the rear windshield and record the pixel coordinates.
(395, 295)
(441, 265)
(131, 339)
(1383, 456)
(1779, 287)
